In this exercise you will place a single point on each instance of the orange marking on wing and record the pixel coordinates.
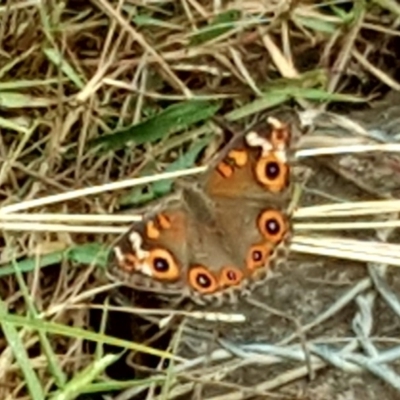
(128, 263)
(273, 225)
(163, 265)
(272, 173)
(240, 157)
(230, 276)
(225, 170)
(202, 280)
(164, 221)
(258, 256)
(151, 231)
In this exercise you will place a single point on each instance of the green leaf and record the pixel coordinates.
(222, 23)
(111, 385)
(137, 197)
(322, 95)
(20, 100)
(171, 120)
(30, 264)
(22, 84)
(187, 160)
(157, 189)
(272, 99)
(90, 253)
(308, 79)
(145, 20)
(316, 24)
(275, 97)
(346, 17)
(85, 254)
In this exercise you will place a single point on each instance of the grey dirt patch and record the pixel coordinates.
(312, 332)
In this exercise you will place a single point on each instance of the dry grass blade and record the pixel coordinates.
(171, 175)
(348, 209)
(115, 14)
(366, 251)
(96, 189)
(348, 149)
(59, 228)
(376, 71)
(359, 225)
(71, 218)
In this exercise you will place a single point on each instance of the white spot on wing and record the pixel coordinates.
(118, 254)
(145, 269)
(141, 254)
(136, 242)
(275, 122)
(255, 140)
(281, 155)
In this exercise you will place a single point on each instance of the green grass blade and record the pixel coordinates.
(12, 100)
(145, 20)
(392, 6)
(91, 253)
(53, 363)
(171, 120)
(57, 59)
(14, 341)
(109, 386)
(157, 189)
(222, 23)
(24, 84)
(79, 383)
(315, 24)
(14, 126)
(271, 100)
(276, 97)
(77, 333)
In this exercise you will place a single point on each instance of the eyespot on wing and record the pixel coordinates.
(273, 225)
(230, 276)
(202, 280)
(258, 256)
(272, 173)
(162, 265)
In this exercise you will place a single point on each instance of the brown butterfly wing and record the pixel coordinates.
(154, 252)
(250, 188)
(239, 213)
(168, 252)
(215, 239)
(253, 166)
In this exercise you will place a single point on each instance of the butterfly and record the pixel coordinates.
(218, 237)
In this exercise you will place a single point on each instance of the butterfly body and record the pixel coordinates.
(218, 237)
